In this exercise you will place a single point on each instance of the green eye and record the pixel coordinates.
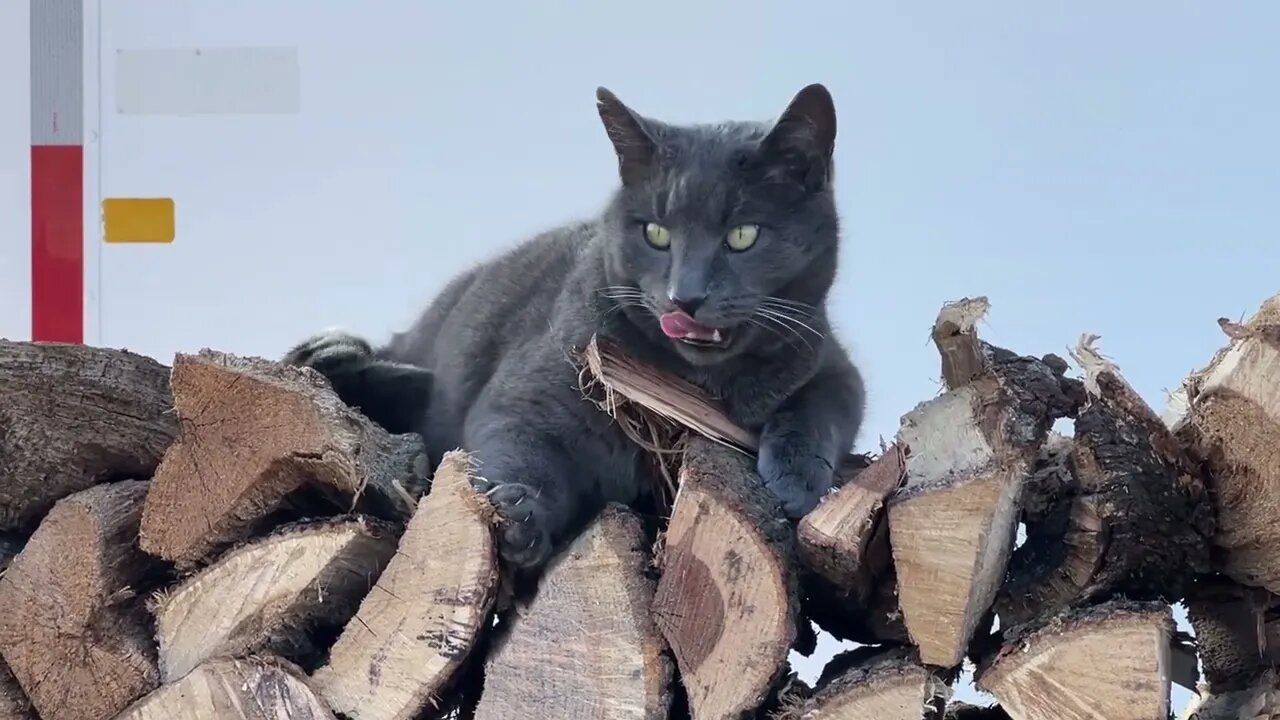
(742, 237)
(657, 236)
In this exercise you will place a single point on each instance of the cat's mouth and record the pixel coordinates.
(680, 326)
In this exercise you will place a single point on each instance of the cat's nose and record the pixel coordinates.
(688, 302)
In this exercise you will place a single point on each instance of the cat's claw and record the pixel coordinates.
(794, 472)
(523, 538)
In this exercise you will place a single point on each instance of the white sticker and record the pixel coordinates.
(204, 81)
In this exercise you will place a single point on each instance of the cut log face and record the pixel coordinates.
(72, 631)
(727, 599)
(1106, 661)
(14, 704)
(413, 632)
(266, 595)
(969, 453)
(835, 537)
(1232, 419)
(252, 688)
(290, 430)
(891, 685)
(74, 416)
(587, 646)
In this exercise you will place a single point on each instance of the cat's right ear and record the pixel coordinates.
(634, 146)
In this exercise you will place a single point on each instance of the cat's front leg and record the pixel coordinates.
(803, 442)
(528, 479)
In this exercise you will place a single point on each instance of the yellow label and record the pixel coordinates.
(138, 220)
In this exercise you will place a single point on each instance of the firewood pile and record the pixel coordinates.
(224, 538)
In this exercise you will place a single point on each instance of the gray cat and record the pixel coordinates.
(713, 259)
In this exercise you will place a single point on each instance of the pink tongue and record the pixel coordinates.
(680, 325)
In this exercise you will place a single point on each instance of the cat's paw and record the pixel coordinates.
(523, 539)
(794, 470)
(330, 351)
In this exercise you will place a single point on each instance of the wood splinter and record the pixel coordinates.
(587, 646)
(969, 453)
(727, 598)
(1104, 661)
(72, 629)
(268, 594)
(289, 431)
(418, 625)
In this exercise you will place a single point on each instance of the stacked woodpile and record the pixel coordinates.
(226, 539)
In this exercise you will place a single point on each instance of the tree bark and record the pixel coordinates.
(73, 416)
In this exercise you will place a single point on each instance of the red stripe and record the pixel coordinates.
(57, 243)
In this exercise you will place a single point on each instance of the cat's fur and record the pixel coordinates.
(498, 339)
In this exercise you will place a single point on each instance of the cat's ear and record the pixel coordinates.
(802, 141)
(632, 142)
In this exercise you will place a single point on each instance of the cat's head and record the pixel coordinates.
(723, 237)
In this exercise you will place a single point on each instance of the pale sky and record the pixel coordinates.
(1092, 166)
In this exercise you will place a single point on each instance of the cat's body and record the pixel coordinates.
(655, 274)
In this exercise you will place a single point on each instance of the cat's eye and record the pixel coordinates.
(657, 236)
(742, 237)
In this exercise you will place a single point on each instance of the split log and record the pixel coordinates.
(267, 596)
(1235, 629)
(290, 431)
(1105, 661)
(1260, 701)
(727, 598)
(1120, 510)
(969, 453)
(14, 704)
(835, 538)
(1229, 413)
(74, 416)
(587, 646)
(414, 631)
(73, 631)
(885, 685)
(251, 688)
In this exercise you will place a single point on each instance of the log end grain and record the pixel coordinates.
(835, 538)
(887, 685)
(588, 645)
(1109, 660)
(1231, 418)
(418, 625)
(73, 630)
(727, 599)
(248, 688)
(289, 431)
(268, 594)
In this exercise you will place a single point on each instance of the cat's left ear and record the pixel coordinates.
(803, 139)
(635, 147)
